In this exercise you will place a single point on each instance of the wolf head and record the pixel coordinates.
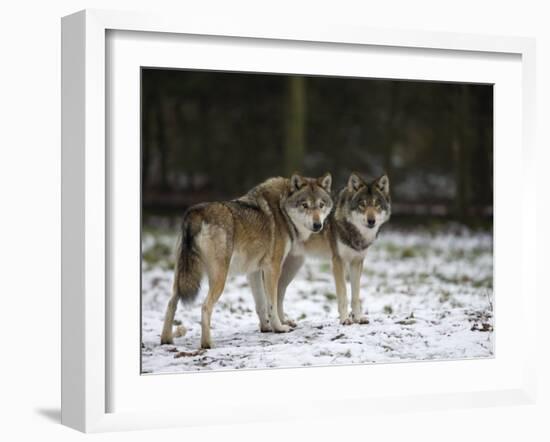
(308, 202)
(368, 203)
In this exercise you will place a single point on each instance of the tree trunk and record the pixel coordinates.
(295, 125)
(146, 122)
(162, 145)
(462, 152)
(390, 130)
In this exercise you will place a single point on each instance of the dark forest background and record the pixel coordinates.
(213, 135)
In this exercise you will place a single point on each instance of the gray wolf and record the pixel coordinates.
(253, 235)
(360, 209)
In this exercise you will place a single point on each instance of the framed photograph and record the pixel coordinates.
(250, 212)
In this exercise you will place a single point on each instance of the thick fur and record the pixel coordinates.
(360, 209)
(253, 235)
(189, 270)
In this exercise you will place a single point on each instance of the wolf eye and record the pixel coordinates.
(304, 205)
(321, 205)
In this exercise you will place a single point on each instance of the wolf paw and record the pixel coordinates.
(165, 340)
(283, 329)
(346, 321)
(360, 319)
(265, 328)
(290, 323)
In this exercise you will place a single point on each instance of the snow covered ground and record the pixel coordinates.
(428, 295)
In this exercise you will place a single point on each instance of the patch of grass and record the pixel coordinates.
(407, 321)
(392, 248)
(453, 279)
(388, 309)
(435, 225)
(467, 255)
(324, 267)
(399, 252)
(149, 229)
(445, 296)
(465, 279)
(486, 282)
(454, 255)
(456, 304)
(423, 276)
(369, 272)
(330, 296)
(408, 253)
(157, 253)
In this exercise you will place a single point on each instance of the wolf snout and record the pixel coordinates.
(317, 227)
(371, 222)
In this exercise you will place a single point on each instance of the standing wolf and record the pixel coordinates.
(360, 209)
(253, 235)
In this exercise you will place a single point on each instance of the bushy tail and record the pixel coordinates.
(189, 269)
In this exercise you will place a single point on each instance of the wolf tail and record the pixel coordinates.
(189, 269)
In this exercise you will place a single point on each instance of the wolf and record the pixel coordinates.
(253, 234)
(360, 209)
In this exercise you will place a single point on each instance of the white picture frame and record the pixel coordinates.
(87, 207)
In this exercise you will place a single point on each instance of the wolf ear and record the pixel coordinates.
(383, 183)
(296, 182)
(355, 182)
(325, 181)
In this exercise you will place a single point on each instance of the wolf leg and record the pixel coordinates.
(271, 280)
(216, 284)
(340, 282)
(166, 336)
(291, 267)
(356, 267)
(256, 285)
(216, 251)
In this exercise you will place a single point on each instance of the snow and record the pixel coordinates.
(428, 296)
